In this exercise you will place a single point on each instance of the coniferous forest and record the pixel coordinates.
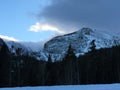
(95, 67)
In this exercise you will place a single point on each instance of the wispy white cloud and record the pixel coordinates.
(41, 27)
(8, 38)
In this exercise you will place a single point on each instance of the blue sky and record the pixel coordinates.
(35, 20)
(17, 16)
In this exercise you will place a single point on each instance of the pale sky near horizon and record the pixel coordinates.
(35, 20)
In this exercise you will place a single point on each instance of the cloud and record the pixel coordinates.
(8, 38)
(68, 14)
(41, 27)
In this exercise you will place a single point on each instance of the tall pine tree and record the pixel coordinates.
(70, 67)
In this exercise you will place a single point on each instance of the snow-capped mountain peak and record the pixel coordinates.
(86, 31)
(57, 46)
(80, 41)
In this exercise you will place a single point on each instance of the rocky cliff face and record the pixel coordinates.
(57, 46)
(80, 41)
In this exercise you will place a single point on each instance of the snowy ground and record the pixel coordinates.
(70, 87)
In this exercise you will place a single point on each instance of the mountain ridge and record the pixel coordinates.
(80, 41)
(57, 46)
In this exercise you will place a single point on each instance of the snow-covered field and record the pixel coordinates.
(70, 87)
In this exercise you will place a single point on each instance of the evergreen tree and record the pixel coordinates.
(19, 61)
(69, 64)
(48, 71)
(4, 65)
(92, 46)
(70, 53)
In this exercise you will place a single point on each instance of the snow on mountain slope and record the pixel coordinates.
(70, 87)
(34, 49)
(10, 41)
(80, 41)
(13, 46)
(57, 46)
(34, 46)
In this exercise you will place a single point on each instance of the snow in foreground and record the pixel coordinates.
(71, 87)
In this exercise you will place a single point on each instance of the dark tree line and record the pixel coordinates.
(95, 67)
(4, 65)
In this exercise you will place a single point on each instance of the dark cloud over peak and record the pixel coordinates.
(88, 13)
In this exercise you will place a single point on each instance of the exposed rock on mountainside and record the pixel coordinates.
(80, 41)
(57, 46)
